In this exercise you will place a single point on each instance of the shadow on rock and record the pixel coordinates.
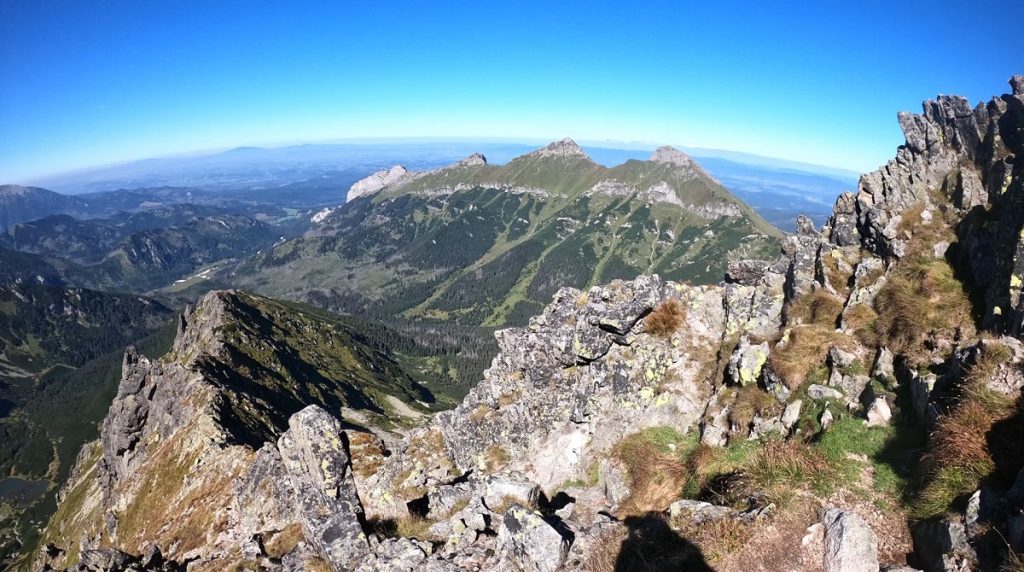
(652, 546)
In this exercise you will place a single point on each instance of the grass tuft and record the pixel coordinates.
(666, 319)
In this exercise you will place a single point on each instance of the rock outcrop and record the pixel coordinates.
(377, 181)
(646, 412)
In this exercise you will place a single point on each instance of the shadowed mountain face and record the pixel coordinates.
(18, 204)
(489, 245)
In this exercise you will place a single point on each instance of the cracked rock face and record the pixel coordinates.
(328, 505)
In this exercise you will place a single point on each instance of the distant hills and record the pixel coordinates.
(322, 173)
(489, 245)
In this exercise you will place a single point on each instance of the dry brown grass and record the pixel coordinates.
(861, 318)
(509, 398)
(779, 469)
(284, 541)
(657, 477)
(414, 527)
(179, 503)
(838, 277)
(605, 557)
(959, 457)
(714, 360)
(751, 400)
(716, 539)
(666, 319)
(1014, 562)
(316, 564)
(816, 307)
(480, 413)
(495, 458)
(804, 351)
(366, 452)
(921, 301)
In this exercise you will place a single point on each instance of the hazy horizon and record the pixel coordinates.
(115, 82)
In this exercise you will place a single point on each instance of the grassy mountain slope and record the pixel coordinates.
(486, 245)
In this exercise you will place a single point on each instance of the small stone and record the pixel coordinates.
(503, 489)
(826, 419)
(879, 414)
(820, 392)
(791, 414)
(698, 511)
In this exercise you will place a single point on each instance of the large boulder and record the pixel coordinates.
(529, 543)
(328, 505)
(850, 544)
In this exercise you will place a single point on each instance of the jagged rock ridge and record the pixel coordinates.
(545, 464)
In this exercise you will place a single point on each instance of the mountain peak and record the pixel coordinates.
(473, 160)
(376, 182)
(562, 148)
(14, 190)
(666, 154)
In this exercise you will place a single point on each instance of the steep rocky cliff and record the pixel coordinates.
(850, 405)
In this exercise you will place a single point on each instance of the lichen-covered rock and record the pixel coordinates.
(850, 544)
(698, 512)
(328, 505)
(746, 362)
(530, 543)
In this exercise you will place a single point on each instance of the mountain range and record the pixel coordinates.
(849, 402)
(489, 245)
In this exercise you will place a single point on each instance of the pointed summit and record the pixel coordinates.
(473, 160)
(562, 148)
(666, 154)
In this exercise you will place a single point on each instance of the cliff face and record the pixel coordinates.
(773, 421)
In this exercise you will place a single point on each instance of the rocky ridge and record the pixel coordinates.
(594, 420)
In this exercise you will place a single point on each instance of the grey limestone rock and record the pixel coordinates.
(850, 544)
(820, 392)
(698, 511)
(328, 505)
(942, 545)
(530, 543)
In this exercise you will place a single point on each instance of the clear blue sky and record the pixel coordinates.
(107, 81)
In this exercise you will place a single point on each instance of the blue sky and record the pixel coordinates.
(821, 82)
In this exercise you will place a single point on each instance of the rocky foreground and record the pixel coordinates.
(852, 405)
